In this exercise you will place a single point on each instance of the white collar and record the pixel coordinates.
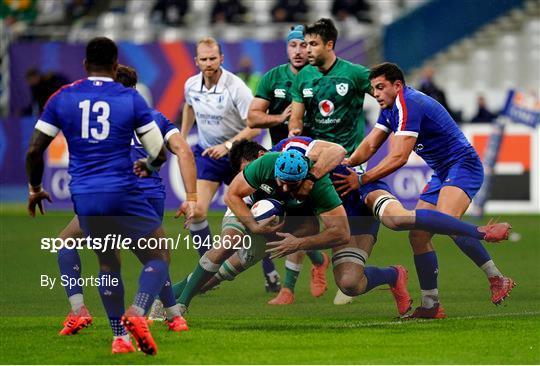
(99, 78)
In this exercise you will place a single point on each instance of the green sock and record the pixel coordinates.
(179, 287)
(291, 276)
(315, 256)
(198, 278)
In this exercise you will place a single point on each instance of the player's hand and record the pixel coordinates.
(266, 226)
(346, 161)
(289, 244)
(295, 132)
(347, 183)
(187, 209)
(36, 199)
(216, 152)
(286, 113)
(304, 189)
(140, 169)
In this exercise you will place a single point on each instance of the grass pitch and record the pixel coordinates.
(233, 324)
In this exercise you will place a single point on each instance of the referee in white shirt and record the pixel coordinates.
(219, 101)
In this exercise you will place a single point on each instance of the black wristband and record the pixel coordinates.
(311, 177)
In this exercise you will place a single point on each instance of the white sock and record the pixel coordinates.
(124, 337)
(138, 310)
(293, 266)
(491, 269)
(76, 301)
(430, 298)
(173, 311)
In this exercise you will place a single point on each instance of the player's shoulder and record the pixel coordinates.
(277, 70)
(159, 117)
(307, 71)
(352, 66)
(416, 98)
(194, 81)
(231, 80)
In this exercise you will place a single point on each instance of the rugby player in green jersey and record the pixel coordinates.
(328, 97)
(271, 108)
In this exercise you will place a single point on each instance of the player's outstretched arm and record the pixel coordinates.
(258, 118)
(368, 147)
(188, 120)
(336, 232)
(34, 171)
(296, 122)
(400, 149)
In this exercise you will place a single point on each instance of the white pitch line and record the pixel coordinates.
(416, 321)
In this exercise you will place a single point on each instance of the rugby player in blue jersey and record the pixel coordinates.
(421, 124)
(97, 117)
(153, 189)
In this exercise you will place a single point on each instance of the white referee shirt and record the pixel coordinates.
(220, 112)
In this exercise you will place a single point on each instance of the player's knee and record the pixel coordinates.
(350, 283)
(348, 266)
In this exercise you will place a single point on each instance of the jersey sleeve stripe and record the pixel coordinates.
(382, 127)
(147, 127)
(301, 146)
(170, 133)
(407, 133)
(402, 109)
(310, 146)
(47, 128)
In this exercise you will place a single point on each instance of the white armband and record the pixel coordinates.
(152, 140)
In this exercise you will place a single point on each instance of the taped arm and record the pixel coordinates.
(152, 141)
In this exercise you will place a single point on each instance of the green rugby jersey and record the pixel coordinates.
(334, 102)
(275, 87)
(260, 175)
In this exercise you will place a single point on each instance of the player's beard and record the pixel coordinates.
(317, 61)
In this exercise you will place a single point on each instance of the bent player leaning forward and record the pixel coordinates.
(69, 282)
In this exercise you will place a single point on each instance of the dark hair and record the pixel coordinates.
(243, 149)
(101, 54)
(127, 76)
(390, 71)
(324, 28)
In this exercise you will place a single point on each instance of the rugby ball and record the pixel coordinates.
(264, 209)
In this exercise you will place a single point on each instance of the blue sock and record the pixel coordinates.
(112, 298)
(151, 280)
(166, 294)
(202, 230)
(473, 248)
(379, 276)
(268, 264)
(70, 265)
(439, 223)
(427, 269)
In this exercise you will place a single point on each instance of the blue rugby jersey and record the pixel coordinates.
(439, 142)
(152, 186)
(97, 117)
